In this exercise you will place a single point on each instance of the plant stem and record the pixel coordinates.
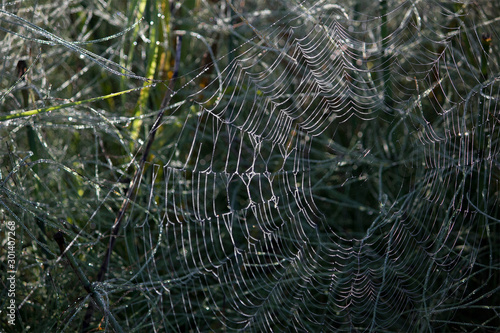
(28, 113)
(386, 58)
(59, 238)
(136, 179)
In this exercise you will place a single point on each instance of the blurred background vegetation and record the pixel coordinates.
(375, 208)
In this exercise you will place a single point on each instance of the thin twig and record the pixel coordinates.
(136, 179)
(59, 238)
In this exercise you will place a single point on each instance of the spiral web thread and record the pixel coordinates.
(340, 173)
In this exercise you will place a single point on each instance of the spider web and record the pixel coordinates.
(336, 169)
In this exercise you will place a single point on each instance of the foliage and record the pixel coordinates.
(319, 166)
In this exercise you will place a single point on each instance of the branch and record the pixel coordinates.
(59, 238)
(136, 179)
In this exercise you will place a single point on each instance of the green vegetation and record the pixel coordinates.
(255, 166)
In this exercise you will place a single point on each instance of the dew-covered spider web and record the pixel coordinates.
(320, 166)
